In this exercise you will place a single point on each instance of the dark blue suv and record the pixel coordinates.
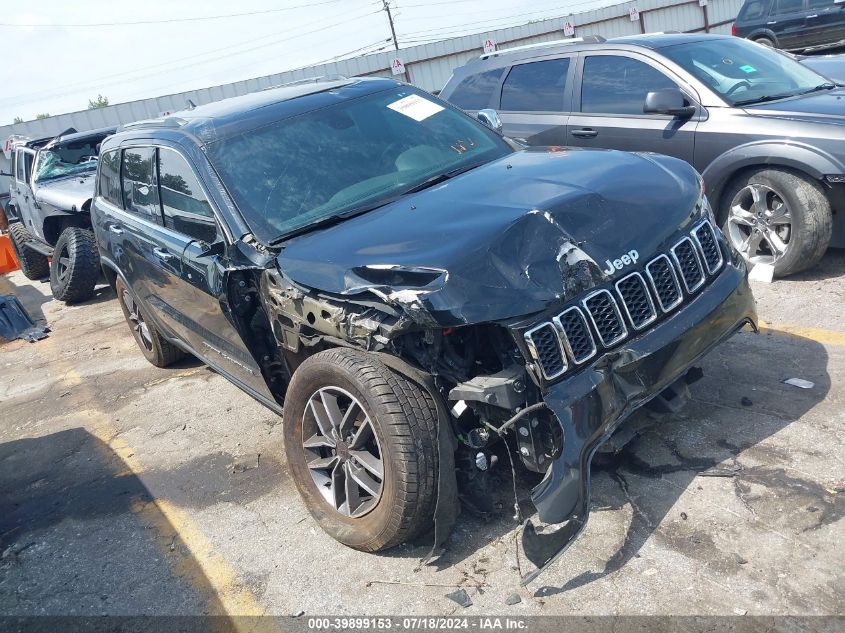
(412, 287)
(793, 25)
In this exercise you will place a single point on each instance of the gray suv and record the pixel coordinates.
(765, 131)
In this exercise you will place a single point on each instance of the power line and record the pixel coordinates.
(99, 82)
(170, 20)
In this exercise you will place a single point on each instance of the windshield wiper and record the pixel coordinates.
(786, 95)
(436, 180)
(329, 220)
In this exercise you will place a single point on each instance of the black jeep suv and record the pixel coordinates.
(412, 287)
(51, 191)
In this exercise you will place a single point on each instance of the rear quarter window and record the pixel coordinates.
(754, 10)
(536, 86)
(108, 185)
(476, 91)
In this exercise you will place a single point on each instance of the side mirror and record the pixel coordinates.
(490, 118)
(670, 101)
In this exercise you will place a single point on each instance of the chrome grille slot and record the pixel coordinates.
(546, 348)
(636, 300)
(606, 318)
(576, 334)
(664, 282)
(688, 263)
(705, 237)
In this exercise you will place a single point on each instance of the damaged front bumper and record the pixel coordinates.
(590, 405)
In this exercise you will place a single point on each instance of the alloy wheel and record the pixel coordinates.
(136, 321)
(760, 224)
(342, 451)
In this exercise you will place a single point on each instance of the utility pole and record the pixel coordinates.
(393, 33)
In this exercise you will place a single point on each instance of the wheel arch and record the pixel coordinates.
(54, 225)
(797, 157)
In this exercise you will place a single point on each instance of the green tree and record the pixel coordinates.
(18, 120)
(43, 115)
(99, 102)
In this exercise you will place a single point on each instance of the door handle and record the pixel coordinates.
(115, 229)
(813, 16)
(585, 133)
(162, 254)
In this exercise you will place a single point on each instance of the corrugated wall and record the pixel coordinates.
(430, 65)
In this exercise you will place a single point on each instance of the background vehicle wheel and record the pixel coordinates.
(33, 264)
(75, 266)
(155, 348)
(361, 445)
(765, 41)
(775, 216)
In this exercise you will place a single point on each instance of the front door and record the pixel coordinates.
(194, 301)
(825, 22)
(24, 198)
(613, 88)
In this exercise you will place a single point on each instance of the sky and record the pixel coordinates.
(60, 54)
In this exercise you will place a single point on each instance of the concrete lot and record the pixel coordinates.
(126, 489)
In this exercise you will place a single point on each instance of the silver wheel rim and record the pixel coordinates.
(342, 451)
(136, 322)
(760, 224)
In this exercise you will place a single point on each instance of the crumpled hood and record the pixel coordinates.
(826, 107)
(506, 239)
(66, 193)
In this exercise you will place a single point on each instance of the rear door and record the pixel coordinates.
(787, 20)
(608, 109)
(536, 100)
(193, 301)
(825, 22)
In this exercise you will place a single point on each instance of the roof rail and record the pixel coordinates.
(587, 39)
(168, 122)
(308, 80)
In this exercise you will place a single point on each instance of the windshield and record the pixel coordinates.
(346, 157)
(743, 72)
(74, 158)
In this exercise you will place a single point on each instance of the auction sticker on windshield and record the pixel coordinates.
(416, 107)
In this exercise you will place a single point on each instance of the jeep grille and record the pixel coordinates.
(603, 318)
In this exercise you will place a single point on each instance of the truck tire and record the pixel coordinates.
(361, 445)
(33, 264)
(75, 266)
(777, 216)
(156, 349)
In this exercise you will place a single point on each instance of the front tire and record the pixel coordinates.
(361, 444)
(778, 217)
(155, 348)
(33, 264)
(75, 266)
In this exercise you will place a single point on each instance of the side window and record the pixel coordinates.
(186, 209)
(755, 9)
(474, 92)
(536, 87)
(19, 166)
(14, 165)
(782, 7)
(618, 85)
(140, 195)
(109, 184)
(819, 4)
(28, 159)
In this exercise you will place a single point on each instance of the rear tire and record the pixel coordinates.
(33, 264)
(155, 348)
(75, 266)
(765, 41)
(402, 446)
(790, 212)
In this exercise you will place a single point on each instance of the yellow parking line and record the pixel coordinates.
(205, 566)
(825, 337)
